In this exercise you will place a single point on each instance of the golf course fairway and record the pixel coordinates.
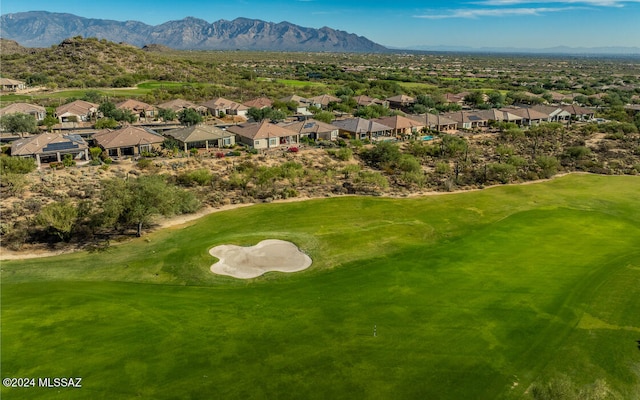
(475, 295)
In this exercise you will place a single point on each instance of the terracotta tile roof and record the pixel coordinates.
(10, 82)
(224, 104)
(135, 105)
(399, 122)
(324, 99)
(309, 126)
(198, 133)
(127, 136)
(498, 115)
(260, 102)
(527, 113)
(179, 105)
(260, 130)
(23, 108)
(77, 107)
(360, 125)
(402, 98)
(578, 110)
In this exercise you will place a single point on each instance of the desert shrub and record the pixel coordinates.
(199, 177)
(58, 219)
(68, 160)
(16, 165)
(144, 163)
(501, 172)
(13, 184)
(577, 152)
(548, 165)
(443, 168)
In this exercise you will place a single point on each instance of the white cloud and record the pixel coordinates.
(595, 3)
(494, 12)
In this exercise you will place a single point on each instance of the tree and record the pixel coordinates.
(548, 165)
(16, 165)
(382, 153)
(106, 123)
(136, 201)
(92, 96)
(166, 114)
(49, 121)
(475, 98)
(109, 110)
(501, 172)
(19, 123)
(58, 218)
(496, 99)
(324, 116)
(189, 117)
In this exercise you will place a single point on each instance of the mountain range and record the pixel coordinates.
(43, 29)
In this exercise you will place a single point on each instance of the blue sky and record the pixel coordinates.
(473, 23)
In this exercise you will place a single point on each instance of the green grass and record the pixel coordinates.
(417, 85)
(297, 83)
(469, 292)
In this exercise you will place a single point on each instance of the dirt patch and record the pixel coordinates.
(251, 262)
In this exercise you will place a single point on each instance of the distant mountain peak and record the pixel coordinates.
(43, 29)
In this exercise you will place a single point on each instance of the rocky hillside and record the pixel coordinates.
(43, 29)
(78, 62)
(12, 47)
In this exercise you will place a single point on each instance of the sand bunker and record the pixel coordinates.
(250, 262)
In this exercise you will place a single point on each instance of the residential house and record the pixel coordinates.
(202, 136)
(323, 101)
(494, 115)
(364, 101)
(50, 147)
(313, 129)
(558, 97)
(11, 85)
(556, 113)
(37, 111)
(179, 105)
(220, 106)
(467, 119)
(401, 126)
(435, 122)
(77, 111)
(140, 109)
(452, 98)
(529, 116)
(361, 128)
(264, 135)
(128, 141)
(401, 101)
(259, 103)
(301, 102)
(579, 113)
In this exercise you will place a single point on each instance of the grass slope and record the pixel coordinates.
(470, 294)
